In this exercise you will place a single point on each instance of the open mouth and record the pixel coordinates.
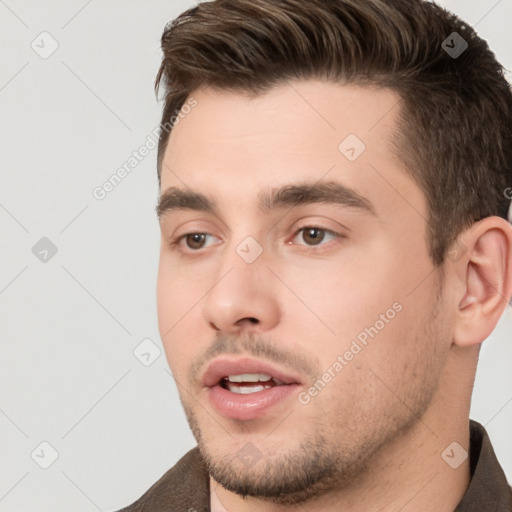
(244, 388)
(248, 383)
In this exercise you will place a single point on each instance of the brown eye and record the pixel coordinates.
(195, 240)
(313, 236)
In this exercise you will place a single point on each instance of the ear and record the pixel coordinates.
(485, 275)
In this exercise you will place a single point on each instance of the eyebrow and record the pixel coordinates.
(288, 196)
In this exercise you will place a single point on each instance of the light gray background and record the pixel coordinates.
(69, 326)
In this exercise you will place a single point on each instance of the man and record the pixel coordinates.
(335, 249)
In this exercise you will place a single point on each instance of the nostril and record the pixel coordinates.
(248, 319)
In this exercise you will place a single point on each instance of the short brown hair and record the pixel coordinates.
(455, 128)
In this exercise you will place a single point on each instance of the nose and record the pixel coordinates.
(242, 297)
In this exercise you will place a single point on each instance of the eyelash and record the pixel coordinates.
(176, 241)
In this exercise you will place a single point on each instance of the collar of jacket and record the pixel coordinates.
(186, 486)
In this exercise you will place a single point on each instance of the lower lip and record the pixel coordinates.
(252, 405)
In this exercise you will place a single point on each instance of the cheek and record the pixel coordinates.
(336, 299)
(166, 301)
(178, 295)
(395, 365)
(177, 304)
(357, 309)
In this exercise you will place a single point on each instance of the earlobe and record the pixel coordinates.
(487, 276)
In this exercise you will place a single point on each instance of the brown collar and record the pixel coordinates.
(186, 486)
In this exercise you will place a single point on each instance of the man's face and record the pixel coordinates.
(336, 300)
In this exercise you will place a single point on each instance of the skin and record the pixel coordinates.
(372, 439)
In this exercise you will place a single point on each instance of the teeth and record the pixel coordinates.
(245, 390)
(249, 377)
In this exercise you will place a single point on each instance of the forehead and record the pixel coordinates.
(234, 145)
(312, 110)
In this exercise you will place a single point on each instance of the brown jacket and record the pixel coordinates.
(185, 487)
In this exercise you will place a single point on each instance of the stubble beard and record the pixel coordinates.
(321, 462)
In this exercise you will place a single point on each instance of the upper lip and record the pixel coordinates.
(224, 367)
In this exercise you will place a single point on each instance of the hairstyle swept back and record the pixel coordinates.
(455, 114)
